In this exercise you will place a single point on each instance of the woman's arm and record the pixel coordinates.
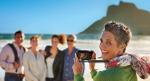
(78, 77)
(78, 70)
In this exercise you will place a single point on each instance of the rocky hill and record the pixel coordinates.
(137, 19)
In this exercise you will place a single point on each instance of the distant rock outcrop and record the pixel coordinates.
(138, 20)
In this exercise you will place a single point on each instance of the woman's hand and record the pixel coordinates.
(77, 67)
(92, 64)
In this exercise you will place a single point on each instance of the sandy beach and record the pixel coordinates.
(88, 78)
(93, 45)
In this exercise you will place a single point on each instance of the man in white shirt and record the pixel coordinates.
(11, 58)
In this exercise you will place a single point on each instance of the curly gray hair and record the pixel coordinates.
(121, 32)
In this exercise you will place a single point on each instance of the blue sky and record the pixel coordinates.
(55, 16)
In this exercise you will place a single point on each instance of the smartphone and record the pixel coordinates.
(84, 54)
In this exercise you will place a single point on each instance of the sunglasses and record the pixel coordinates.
(70, 40)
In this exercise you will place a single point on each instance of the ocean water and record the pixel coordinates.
(138, 45)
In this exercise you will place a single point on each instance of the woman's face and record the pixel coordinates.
(55, 42)
(70, 42)
(109, 46)
(34, 43)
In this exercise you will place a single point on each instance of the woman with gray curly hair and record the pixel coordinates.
(120, 66)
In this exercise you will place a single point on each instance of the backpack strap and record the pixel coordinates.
(14, 52)
(24, 49)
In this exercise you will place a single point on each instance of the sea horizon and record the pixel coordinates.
(9, 36)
